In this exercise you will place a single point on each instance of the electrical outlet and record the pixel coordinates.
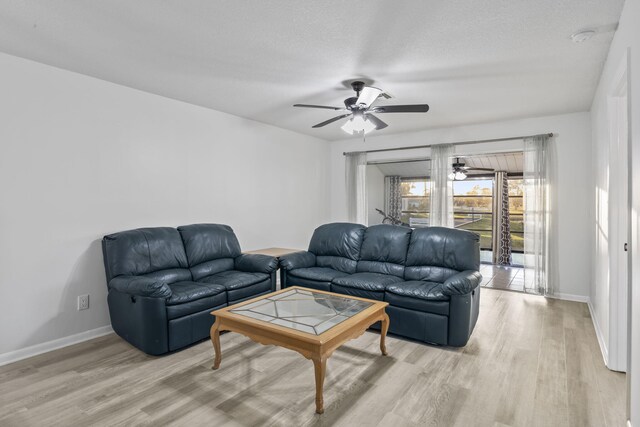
(83, 302)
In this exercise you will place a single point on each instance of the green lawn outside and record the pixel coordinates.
(485, 224)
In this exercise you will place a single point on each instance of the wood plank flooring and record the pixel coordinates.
(530, 362)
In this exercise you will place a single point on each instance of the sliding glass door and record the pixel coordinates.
(472, 208)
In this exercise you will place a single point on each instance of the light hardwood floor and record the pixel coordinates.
(530, 361)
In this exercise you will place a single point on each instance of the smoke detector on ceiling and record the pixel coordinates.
(582, 36)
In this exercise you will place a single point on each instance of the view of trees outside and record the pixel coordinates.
(472, 206)
(415, 201)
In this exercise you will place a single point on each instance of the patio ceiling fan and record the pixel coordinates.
(459, 170)
(360, 109)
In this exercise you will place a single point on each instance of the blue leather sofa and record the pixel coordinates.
(164, 282)
(429, 276)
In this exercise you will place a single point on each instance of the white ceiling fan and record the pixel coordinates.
(360, 108)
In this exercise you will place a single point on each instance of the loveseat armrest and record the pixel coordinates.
(462, 283)
(302, 259)
(256, 263)
(140, 286)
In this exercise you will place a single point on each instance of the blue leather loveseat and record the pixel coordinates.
(164, 282)
(429, 276)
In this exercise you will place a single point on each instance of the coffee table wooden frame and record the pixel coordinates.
(317, 348)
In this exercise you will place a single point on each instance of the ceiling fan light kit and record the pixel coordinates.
(460, 176)
(360, 110)
(459, 170)
(358, 124)
(457, 176)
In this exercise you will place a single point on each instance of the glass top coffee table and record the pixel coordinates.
(313, 323)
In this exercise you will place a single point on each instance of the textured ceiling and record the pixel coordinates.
(472, 61)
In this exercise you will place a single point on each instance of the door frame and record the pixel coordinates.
(619, 219)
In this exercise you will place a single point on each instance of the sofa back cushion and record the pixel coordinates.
(384, 249)
(437, 253)
(210, 248)
(337, 245)
(146, 251)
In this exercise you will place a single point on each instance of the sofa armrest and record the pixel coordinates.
(140, 286)
(462, 283)
(256, 263)
(302, 259)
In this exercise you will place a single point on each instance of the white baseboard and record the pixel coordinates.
(570, 297)
(603, 346)
(34, 350)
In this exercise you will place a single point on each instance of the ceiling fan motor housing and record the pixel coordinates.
(357, 86)
(350, 102)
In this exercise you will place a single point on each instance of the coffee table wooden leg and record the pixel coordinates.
(320, 367)
(215, 339)
(383, 334)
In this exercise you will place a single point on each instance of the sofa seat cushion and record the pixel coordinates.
(430, 291)
(364, 285)
(367, 281)
(183, 292)
(233, 279)
(418, 295)
(320, 274)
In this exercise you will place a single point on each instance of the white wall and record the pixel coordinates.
(572, 196)
(81, 157)
(627, 38)
(375, 194)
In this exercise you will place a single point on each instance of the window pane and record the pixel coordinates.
(415, 204)
(473, 187)
(516, 204)
(473, 222)
(412, 187)
(516, 223)
(516, 187)
(415, 220)
(472, 204)
(478, 223)
(517, 242)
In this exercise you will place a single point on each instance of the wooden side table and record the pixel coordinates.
(274, 252)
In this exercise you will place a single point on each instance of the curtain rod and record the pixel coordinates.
(479, 141)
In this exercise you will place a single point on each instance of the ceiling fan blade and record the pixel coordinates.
(471, 168)
(326, 122)
(416, 108)
(318, 106)
(376, 121)
(368, 96)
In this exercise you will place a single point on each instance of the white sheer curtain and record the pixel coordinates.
(356, 182)
(441, 206)
(537, 214)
